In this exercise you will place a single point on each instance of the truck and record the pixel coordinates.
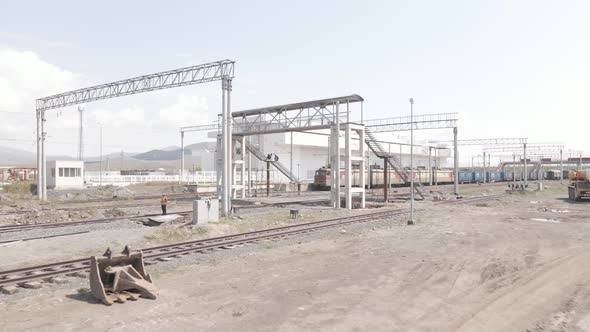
(579, 187)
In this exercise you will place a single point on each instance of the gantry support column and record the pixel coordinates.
(335, 166)
(43, 158)
(358, 157)
(561, 166)
(484, 167)
(348, 166)
(182, 157)
(335, 158)
(456, 162)
(513, 171)
(362, 165)
(243, 168)
(385, 180)
(227, 144)
(219, 166)
(436, 167)
(526, 175)
(430, 172)
(267, 178)
(39, 159)
(249, 160)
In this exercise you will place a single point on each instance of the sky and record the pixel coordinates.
(509, 68)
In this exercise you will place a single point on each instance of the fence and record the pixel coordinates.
(190, 177)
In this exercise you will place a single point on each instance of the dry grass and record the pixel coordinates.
(18, 189)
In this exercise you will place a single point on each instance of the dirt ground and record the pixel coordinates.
(519, 263)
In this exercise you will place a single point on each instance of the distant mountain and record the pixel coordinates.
(160, 155)
(21, 158)
(171, 148)
(201, 146)
(16, 157)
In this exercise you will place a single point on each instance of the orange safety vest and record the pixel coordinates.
(164, 200)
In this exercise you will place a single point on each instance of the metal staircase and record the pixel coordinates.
(278, 165)
(394, 160)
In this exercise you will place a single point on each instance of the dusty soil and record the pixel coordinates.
(514, 264)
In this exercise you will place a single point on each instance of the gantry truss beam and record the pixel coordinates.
(488, 141)
(531, 147)
(404, 123)
(305, 116)
(426, 121)
(163, 80)
(205, 127)
(309, 115)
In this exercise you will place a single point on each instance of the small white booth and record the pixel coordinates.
(65, 174)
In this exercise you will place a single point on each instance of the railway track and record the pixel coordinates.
(165, 252)
(151, 255)
(181, 199)
(237, 208)
(125, 206)
(18, 228)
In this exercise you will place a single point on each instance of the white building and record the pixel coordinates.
(65, 174)
(304, 153)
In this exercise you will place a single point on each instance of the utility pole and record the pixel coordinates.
(526, 175)
(430, 172)
(484, 167)
(411, 221)
(291, 154)
(513, 170)
(268, 178)
(561, 165)
(81, 134)
(100, 173)
(455, 161)
(181, 157)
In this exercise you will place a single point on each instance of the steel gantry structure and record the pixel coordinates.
(219, 70)
(320, 114)
(422, 122)
(331, 113)
(533, 149)
(493, 141)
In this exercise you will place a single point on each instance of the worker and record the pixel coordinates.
(164, 201)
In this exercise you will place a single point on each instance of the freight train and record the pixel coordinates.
(374, 178)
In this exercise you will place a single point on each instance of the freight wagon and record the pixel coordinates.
(375, 177)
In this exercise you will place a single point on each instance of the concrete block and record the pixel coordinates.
(31, 284)
(8, 290)
(205, 210)
(78, 275)
(56, 280)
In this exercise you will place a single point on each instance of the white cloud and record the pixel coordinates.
(129, 116)
(187, 111)
(23, 78)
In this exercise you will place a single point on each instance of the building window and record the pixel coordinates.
(68, 172)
